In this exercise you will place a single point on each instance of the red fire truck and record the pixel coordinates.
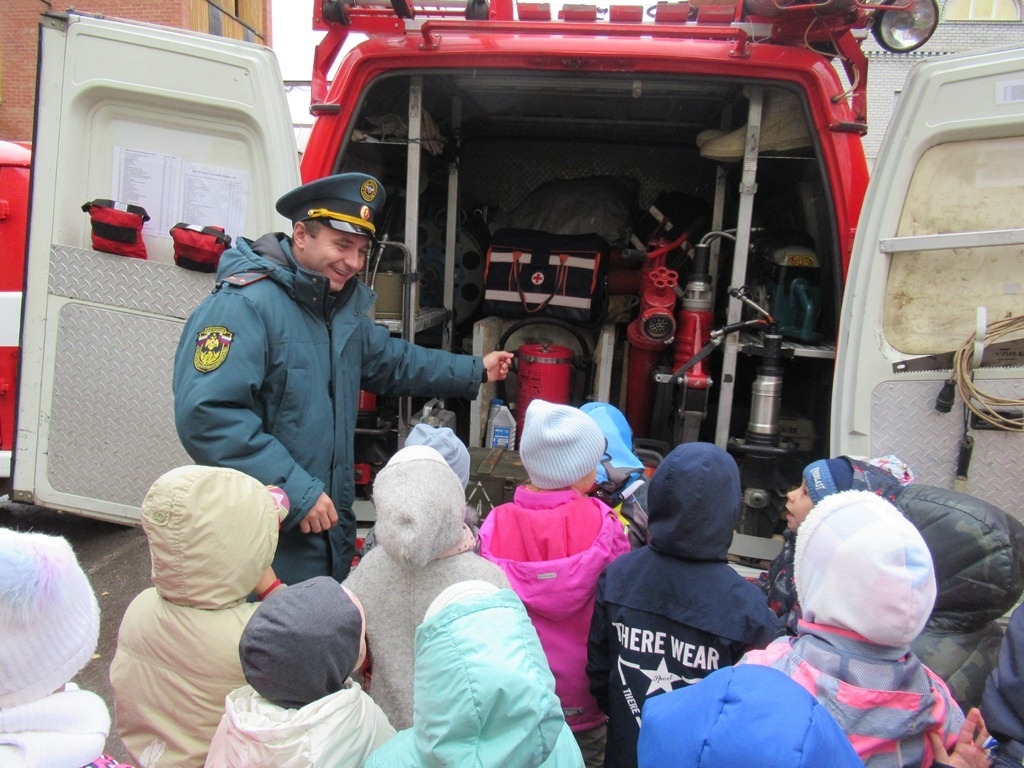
(715, 149)
(15, 160)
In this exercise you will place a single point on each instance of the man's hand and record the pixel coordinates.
(322, 517)
(497, 364)
(969, 751)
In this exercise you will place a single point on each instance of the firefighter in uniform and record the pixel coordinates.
(269, 367)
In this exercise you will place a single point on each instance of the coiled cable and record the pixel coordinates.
(987, 407)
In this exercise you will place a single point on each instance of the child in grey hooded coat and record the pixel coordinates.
(423, 547)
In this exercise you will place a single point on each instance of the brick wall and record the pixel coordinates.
(19, 32)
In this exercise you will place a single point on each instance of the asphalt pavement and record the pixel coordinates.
(116, 560)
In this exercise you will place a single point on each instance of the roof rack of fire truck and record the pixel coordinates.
(833, 28)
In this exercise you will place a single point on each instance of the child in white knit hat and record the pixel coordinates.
(553, 541)
(867, 585)
(49, 627)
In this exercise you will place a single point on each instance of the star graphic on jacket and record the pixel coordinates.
(660, 678)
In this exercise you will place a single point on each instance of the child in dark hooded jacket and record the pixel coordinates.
(669, 614)
(1003, 700)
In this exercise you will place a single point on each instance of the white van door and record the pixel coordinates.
(192, 128)
(939, 262)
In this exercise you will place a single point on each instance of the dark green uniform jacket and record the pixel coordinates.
(267, 379)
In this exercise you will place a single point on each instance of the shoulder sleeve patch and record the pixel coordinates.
(212, 346)
(243, 279)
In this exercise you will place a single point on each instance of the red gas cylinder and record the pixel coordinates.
(544, 373)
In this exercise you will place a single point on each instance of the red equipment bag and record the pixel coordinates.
(117, 227)
(198, 248)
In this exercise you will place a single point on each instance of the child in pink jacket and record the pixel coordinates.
(553, 541)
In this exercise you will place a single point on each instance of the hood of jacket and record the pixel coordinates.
(484, 695)
(419, 502)
(693, 502)
(212, 533)
(561, 587)
(978, 551)
(340, 729)
(860, 565)
(272, 255)
(746, 715)
(619, 464)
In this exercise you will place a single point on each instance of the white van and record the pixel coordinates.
(938, 269)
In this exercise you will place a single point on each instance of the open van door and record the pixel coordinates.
(194, 129)
(938, 262)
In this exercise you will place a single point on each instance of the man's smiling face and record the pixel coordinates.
(336, 255)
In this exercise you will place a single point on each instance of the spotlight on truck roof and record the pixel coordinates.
(906, 26)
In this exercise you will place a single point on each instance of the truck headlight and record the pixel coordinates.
(906, 26)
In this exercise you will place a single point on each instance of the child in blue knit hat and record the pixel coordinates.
(553, 541)
(885, 476)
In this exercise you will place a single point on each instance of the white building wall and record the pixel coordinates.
(888, 71)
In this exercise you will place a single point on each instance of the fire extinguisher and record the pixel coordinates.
(543, 371)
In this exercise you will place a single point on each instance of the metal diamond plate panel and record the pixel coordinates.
(904, 422)
(119, 281)
(111, 422)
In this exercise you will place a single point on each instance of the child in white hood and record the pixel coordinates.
(301, 707)
(867, 585)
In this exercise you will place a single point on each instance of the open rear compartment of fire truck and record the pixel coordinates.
(657, 165)
(709, 158)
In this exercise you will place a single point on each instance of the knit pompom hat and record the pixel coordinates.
(445, 442)
(828, 476)
(560, 445)
(49, 617)
(419, 502)
(860, 565)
